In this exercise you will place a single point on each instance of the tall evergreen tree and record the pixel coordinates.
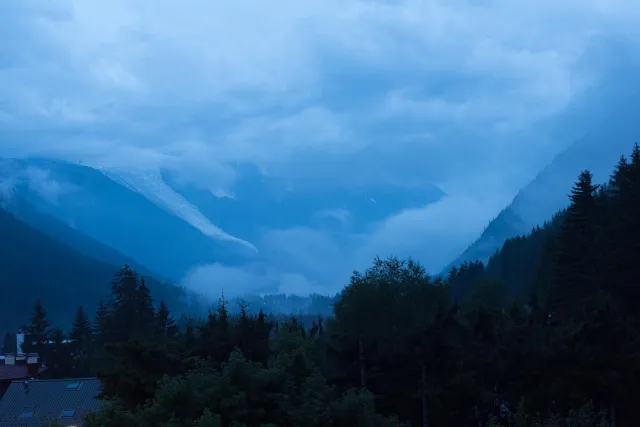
(58, 357)
(38, 331)
(81, 336)
(131, 311)
(100, 325)
(146, 314)
(577, 274)
(166, 324)
(9, 344)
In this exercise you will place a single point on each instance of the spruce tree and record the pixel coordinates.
(144, 308)
(81, 328)
(9, 344)
(81, 336)
(58, 356)
(166, 323)
(130, 310)
(100, 325)
(38, 331)
(576, 273)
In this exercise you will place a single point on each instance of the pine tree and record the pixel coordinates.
(624, 233)
(262, 333)
(576, 275)
(166, 323)
(81, 328)
(145, 312)
(38, 331)
(131, 308)
(100, 325)
(9, 344)
(58, 357)
(81, 336)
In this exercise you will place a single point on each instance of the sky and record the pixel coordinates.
(460, 94)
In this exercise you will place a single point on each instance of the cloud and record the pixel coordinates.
(375, 93)
(304, 260)
(215, 279)
(37, 180)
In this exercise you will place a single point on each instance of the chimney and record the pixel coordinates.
(19, 342)
(33, 365)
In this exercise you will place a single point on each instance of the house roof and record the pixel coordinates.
(64, 401)
(17, 372)
(11, 372)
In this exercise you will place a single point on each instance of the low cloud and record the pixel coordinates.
(35, 179)
(304, 260)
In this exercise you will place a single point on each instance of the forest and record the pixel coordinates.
(546, 333)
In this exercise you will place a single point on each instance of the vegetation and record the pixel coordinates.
(546, 334)
(62, 278)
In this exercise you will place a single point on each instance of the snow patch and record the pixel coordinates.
(152, 186)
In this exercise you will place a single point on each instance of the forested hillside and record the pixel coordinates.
(34, 265)
(597, 151)
(67, 235)
(401, 348)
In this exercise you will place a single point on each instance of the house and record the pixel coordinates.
(39, 402)
(19, 366)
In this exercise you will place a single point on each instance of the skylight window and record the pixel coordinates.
(27, 414)
(67, 413)
(73, 386)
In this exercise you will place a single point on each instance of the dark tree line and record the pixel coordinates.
(547, 333)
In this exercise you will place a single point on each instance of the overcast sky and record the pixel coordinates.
(450, 92)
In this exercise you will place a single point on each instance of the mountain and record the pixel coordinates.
(69, 236)
(36, 266)
(258, 202)
(170, 226)
(598, 151)
(107, 211)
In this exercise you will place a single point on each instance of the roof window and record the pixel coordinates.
(68, 413)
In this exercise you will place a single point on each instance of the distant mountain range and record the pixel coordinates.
(158, 223)
(598, 150)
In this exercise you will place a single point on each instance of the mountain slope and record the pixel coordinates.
(35, 266)
(598, 151)
(125, 220)
(260, 202)
(171, 226)
(69, 236)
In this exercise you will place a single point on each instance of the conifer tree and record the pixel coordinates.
(58, 357)
(166, 323)
(9, 344)
(131, 309)
(81, 329)
(38, 331)
(100, 325)
(576, 275)
(81, 335)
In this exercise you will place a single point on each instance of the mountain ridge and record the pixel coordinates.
(64, 277)
(597, 150)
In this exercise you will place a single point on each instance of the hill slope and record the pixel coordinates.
(35, 266)
(63, 233)
(598, 151)
(113, 214)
